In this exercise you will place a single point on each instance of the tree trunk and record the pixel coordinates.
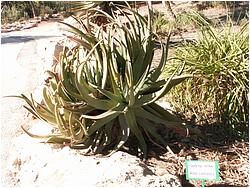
(150, 4)
(32, 8)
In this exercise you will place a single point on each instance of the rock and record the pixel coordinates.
(125, 170)
(55, 15)
(30, 25)
(17, 26)
(4, 30)
(35, 164)
(166, 105)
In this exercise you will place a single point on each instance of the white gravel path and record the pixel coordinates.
(24, 57)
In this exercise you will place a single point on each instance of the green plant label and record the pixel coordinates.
(202, 170)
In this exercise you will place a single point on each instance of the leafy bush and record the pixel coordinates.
(162, 25)
(219, 90)
(106, 89)
(219, 4)
(14, 10)
(46, 10)
(91, 10)
(12, 13)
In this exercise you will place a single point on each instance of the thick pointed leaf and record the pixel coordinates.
(79, 32)
(62, 93)
(130, 84)
(116, 110)
(58, 140)
(125, 132)
(110, 95)
(131, 121)
(164, 113)
(77, 135)
(149, 127)
(97, 103)
(157, 71)
(66, 83)
(101, 122)
(47, 98)
(140, 112)
(171, 82)
(38, 136)
(152, 87)
(61, 122)
(100, 116)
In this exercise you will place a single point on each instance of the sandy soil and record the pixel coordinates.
(25, 55)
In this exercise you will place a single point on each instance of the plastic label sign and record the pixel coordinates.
(202, 170)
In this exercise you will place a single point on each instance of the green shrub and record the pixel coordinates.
(106, 89)
(10, 14)
(162, 25)
(46, 10)
(14, 10)
(91, 9)
(219, 90)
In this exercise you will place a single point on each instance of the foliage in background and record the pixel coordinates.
(106, 89)
(88, 10)
(219, 90)
(162, 25)
(224, 4)
(236, 11)
(12, 11)
(91, 10)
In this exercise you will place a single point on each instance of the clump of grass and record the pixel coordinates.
(162, 25)
(219, 90)
(11, 14)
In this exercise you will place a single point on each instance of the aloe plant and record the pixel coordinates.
(106, 89)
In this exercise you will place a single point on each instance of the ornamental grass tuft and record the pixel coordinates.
(218, 93)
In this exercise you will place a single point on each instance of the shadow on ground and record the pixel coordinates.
(19, 39)
(216, 145)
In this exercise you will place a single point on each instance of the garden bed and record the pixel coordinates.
(232, 155)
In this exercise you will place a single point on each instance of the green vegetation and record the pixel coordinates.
(106, 89)
(219, 91)
(160, 23)
(88, 9)
(91, 10)
(213, 4)
(12, 11)
(182, 22)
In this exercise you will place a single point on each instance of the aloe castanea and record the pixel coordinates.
(106, 88)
